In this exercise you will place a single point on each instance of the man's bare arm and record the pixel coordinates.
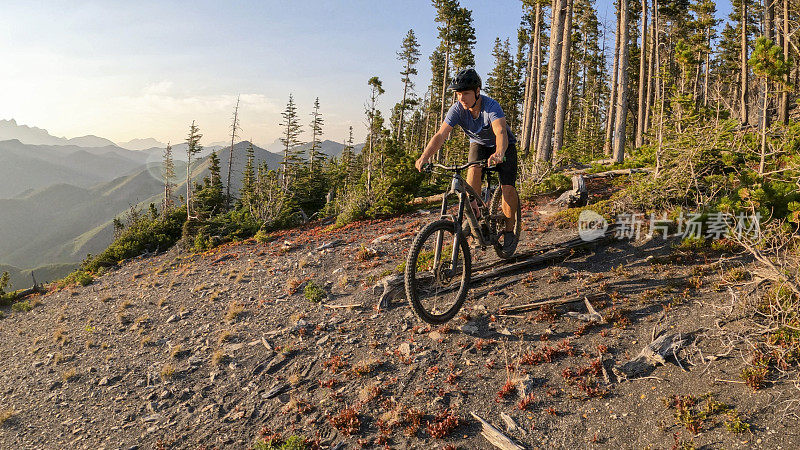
(501, 139)
(434, 145)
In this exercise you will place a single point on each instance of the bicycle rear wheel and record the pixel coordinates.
(437, 289)
(499, 224)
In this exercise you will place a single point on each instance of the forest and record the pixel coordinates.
(710, 114)
(222, 316)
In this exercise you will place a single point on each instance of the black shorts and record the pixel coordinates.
(507, 170)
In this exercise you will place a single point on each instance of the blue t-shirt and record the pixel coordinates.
(479, 130)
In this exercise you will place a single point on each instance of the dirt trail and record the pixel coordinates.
(184, 351)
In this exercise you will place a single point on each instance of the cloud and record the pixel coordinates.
(157, 111)
(160, 88)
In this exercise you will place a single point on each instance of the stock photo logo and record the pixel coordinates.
(591, 225)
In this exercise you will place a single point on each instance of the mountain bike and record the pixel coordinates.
(439, 264)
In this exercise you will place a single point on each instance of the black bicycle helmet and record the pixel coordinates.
(466, 80)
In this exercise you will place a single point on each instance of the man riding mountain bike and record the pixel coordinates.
(484, 122)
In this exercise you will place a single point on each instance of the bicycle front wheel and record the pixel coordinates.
(435, 286)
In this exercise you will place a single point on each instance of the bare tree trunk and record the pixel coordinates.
(707, 67)
(544, 145)
(532, 85)
(769, 27)
(622, 90)
(764, 129)
(527, 107)
(538, 82)
(230, 156)
(743, 106)
(403, 104)
(769, 19)
(440, 119)
(650, 76)
(642, 60)
(613, 100)
(444, 76)
(783, 113)
(564, 80)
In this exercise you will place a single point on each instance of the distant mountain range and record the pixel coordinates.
(58, 196)
(142, 144)
(32, 135)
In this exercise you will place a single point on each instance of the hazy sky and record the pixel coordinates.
(125, 70)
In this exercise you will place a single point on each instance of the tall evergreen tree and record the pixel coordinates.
(210, 198)
(167, 174)
(456, 44)
(376, 90)
(193, 147)
(290, 139)
(316, 133)
(348, 162)
(249, 176)
(409, 55)
(502, 84)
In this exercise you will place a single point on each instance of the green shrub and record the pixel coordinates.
(294, 442)
(23, 306)
(353, 207)
(263, 236)
(314, 292)
(145, 234)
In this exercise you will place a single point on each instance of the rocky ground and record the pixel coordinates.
(223, 348)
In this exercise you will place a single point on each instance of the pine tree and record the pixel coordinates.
(376, 89)
(768, 63)
(502, 84)
(409, 55)
(456, 44)
(193, 147)
(209, 197)
(290, 140)
(316, 133)
(248, 178)
(167, 174)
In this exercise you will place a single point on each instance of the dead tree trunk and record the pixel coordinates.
(650, 78)
(613, 97)
(640, 117)
(544, 145)
(783, 112)
(744, 74)
(563, 82)
(531, 109)
(622, 89)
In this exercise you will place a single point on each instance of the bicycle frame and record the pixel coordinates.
(460, 187)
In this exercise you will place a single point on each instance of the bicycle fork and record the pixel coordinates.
(463, 200)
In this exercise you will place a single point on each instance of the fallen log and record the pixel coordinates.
(561, 250)
(429, 199)
(608, 173)
(495, 436)
(35, 289)
(653, 354)
(559, 301)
